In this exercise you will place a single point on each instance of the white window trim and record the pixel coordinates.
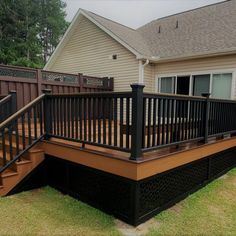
(211, 72)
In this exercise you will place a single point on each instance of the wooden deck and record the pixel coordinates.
(118, 163)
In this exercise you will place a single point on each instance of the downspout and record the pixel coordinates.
(141, 70)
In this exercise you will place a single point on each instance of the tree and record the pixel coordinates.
(52, 25)
(30, 30)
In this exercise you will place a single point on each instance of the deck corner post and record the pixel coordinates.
(47, 114)
(13, 101)
(137, 121)
(206, 116)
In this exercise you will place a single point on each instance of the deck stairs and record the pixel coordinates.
(20, 151)
(21, 168)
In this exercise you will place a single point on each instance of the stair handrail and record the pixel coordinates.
(22, 110)
(10, 126)
(5, 99)
(8, 105)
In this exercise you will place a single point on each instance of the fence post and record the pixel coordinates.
(13, 101)
(39, 81)
(111, 84)
(206, 116)
(47, 114)
(105, 83)
(81, 82)
(137, 121)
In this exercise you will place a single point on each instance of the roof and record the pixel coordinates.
(130, 36)
(207, 30)
(201, 31)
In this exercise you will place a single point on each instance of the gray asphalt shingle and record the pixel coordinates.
(209, 29)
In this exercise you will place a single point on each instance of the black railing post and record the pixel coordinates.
(13, 102)
(47, 114)
(137, 121)
(206, 116)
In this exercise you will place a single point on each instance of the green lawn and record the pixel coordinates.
(48, 212)
(210, 211)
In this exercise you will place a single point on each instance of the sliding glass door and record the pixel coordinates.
(201, 84)
(167, 85)
(221, 86)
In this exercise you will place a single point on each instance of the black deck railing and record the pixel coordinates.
(133, 122)
(20, 131)
(138, 122)
(91, 118)
(171, 120)
(7, 105)
(222, 117)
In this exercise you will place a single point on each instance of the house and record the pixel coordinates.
(188, 53)
(131, 154)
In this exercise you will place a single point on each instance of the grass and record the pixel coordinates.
(210, 211)
(48, 212)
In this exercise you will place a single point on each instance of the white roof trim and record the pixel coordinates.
(195, 56)
(70, 28)
(119, 40)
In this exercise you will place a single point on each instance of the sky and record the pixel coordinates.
(134, 13)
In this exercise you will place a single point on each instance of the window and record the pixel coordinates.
(221, 86)
(201, 84)
(166, 85)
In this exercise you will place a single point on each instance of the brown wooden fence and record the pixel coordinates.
(29, 83)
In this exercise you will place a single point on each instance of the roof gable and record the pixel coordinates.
(126, 36)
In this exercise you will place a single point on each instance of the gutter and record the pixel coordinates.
(141, 70)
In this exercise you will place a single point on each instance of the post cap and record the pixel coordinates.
(206, 95)
(47, 91)
(12, 91)
(137, 85)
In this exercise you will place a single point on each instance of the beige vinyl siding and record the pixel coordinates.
(149, 72)
(212, 64)
(87, 51)
(204, 64)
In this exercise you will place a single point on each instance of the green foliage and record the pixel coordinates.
(30, 30)
(23, 61)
